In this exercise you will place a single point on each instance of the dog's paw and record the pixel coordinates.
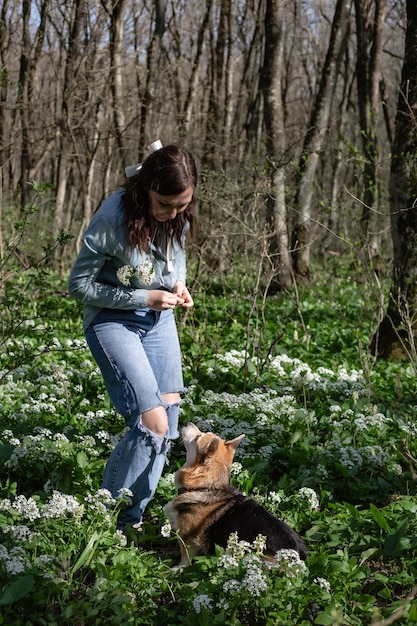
(178, 568)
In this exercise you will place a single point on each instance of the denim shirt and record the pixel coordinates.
(105, 249)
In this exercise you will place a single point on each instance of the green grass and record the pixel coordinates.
(330, 447)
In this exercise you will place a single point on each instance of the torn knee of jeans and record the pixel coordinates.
(157, 442)
(173, 412)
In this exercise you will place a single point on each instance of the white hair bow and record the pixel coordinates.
(131, 170)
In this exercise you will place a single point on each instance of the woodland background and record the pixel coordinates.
(290, 107)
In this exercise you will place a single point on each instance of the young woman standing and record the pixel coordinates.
(130, 276)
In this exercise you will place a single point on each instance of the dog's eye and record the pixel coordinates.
(197, 437)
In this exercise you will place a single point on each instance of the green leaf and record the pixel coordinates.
(324, 619)
(87, 554)
(396, 542)
(379, 517)
(368, 553)
(82, 460)
(17, 590)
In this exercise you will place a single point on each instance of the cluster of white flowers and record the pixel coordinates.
(235, 468)
(125, 494)
(20, 533)
(125, 274)
(376, 420)
(201, 601)
(246, 558)
(395, 468)
(310, 495)
(26, 507)
(289, 561)
(43, 446)
(268, 403)
(323, 583)
(275, 497)
(61, 505)
(144, 273)
(254, 581)
(101, 496)
(301, 374)
(102, 436)
(15, 560)
(7, 435)
(170, 478)
(166, 530)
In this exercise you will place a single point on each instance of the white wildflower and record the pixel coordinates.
(254, 581)
(323, 583)
(227, 561)
(145, 273)
(166, 530)
(125, 494)
(125, 274)
(310, 495)
(60, 505)
(235, 468)
(16, 562)
(275, 497)
(231, 587)
(20, 533)
(259, 544)
(202, 601)
(27, 507)
(290, 561)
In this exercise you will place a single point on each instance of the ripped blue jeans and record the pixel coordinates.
(139, 356)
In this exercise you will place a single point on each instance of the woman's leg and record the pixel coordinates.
(138, 460)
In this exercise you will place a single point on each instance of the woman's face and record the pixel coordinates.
(164, 208)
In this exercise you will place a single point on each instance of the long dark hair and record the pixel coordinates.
(168, 171)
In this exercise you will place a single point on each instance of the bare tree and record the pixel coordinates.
(314, 140)
(275, 131)
(116, 74)
(153, 69)
(86, 85)
(370, 16)
(397, 332)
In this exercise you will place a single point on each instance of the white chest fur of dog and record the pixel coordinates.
(208, 509)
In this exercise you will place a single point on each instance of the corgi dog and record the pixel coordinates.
(208, 509)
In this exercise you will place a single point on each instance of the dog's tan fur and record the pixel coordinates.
(207, 506)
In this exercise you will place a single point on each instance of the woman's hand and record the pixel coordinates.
(182, 292)
(160, 300)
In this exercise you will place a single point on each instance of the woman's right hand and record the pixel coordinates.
(160, 300)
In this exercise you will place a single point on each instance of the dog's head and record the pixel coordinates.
(208, 457)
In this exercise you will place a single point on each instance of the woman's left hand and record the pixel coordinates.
(181, 290)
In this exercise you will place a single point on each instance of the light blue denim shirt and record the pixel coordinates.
(105, 249)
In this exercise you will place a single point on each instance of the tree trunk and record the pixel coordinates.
(277, 217)
(314, 140)
(397, 331)
(116, 76)
(152, 64)
(192, 91)
(368, 77)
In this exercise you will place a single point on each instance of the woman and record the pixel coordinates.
(130, 276)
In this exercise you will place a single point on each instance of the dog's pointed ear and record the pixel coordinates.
(210, 448)
(233, 443)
